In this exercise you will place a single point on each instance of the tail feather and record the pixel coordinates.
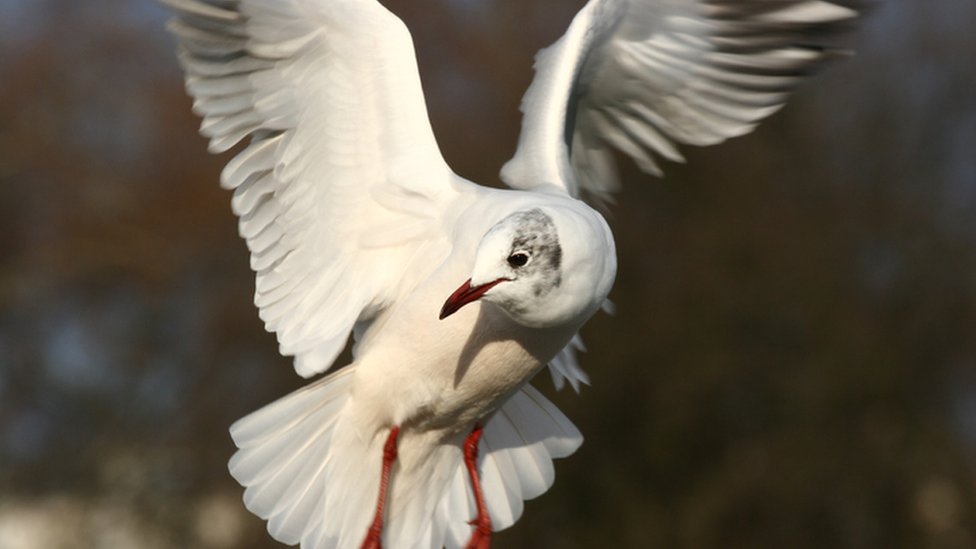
(519, 443)
(288, 523)
(540, 420)
(456, 509)
(283, 414)
(501, 475)
(534, 471)
(496, 494)
(428, 464)
(515, 462)
(353, 477)
(312, 472)
(255, 464)
(283, 450)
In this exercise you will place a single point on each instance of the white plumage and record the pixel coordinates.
(356, 224)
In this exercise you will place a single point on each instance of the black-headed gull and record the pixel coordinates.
(456, 294)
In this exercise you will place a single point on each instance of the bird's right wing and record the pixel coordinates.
(342, 183)
(644, 76)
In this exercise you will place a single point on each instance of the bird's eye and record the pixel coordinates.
(518, 259)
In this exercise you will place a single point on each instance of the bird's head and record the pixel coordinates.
(545, 267)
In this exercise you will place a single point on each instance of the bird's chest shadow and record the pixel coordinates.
(494, 326)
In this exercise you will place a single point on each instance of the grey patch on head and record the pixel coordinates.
(514, 307)
(536, 234)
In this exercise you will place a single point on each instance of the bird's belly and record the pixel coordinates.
(480, 382)
(455, 375)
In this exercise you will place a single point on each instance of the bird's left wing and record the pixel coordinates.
(342, 183)
(644, 76)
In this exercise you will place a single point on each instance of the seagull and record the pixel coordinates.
(455, 295)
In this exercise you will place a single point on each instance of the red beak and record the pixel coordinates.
(464, 295)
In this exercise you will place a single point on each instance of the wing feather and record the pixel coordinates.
(643, 76)
(341, 179)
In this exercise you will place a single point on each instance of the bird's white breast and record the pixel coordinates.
(416, 370)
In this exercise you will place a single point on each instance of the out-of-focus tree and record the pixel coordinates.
(792, 364)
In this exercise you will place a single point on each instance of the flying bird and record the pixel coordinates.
(455, 295)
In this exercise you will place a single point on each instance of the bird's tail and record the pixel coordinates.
(284, 454)
(312, 475)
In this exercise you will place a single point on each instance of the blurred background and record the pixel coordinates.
(792, 363)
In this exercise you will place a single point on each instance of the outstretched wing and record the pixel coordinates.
(342, 180)
(643, 76)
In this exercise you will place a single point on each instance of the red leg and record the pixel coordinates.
(481, 537)
(375, 532)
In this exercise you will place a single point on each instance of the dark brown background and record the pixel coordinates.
(793, 362)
